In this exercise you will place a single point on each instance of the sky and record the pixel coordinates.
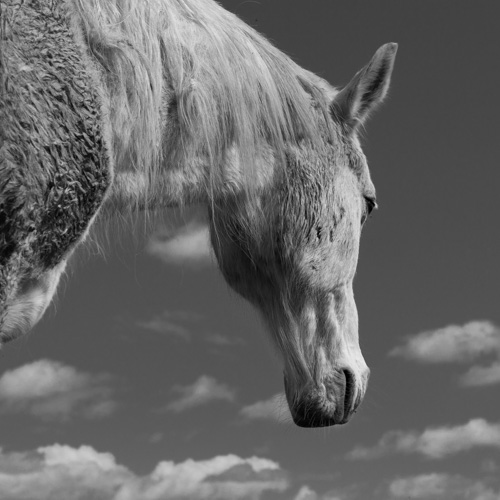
(148, 379)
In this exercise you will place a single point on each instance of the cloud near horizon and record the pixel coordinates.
(306, 493)
(204, 390)
(188, 244)
(60, 472)
(433, 442)
(52, 390)
(438, 485)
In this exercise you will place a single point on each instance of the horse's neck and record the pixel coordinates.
(190, 182)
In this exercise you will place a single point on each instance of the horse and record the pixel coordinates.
(114, 106)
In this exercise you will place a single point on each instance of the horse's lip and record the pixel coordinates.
(326, 403)
(305, 420)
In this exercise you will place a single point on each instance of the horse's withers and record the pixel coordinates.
(54, 164)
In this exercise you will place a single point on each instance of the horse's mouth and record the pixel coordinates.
(332, 402)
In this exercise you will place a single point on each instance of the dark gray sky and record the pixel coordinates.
(134, 337)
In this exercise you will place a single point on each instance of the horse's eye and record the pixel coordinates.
(370, 205)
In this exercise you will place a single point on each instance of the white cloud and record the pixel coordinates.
(202, 391)
(52, 390)
(433, 485)
(422, 486)
(306, 493)
(458, 344)
(434, 442)
(60, 472)
(274, 408)
(482, 375)
(177, 323)
(452, 343)
(189, 244)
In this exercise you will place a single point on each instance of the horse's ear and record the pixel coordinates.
(366, 90)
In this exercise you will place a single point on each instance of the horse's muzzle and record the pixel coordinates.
(331, 402)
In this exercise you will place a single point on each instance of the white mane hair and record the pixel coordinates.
(185, 79)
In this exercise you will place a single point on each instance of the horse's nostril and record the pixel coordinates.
(350, 391)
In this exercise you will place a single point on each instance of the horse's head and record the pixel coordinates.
(292, 251)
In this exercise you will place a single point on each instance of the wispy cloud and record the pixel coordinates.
(60, 472)
(189, 244)
(438, 485)
(183, 324)
(452, 343)
(482, 375)
(306, 493)
(224, 340)
(434, 442)
(202, 391)
(422, 486)
(177, 323)
(275, 408)
(52, 390)
(156, 437)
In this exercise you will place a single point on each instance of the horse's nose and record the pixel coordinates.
(329, 403)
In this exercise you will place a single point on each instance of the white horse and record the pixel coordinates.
(138, 104)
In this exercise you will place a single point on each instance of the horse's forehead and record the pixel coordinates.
(319, 189)
(339, 169)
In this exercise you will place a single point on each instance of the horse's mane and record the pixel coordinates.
(191, 73)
